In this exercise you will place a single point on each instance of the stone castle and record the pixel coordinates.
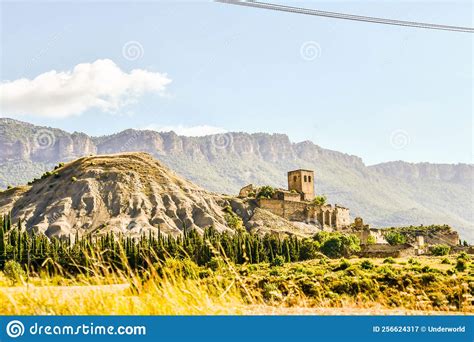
(297, 203)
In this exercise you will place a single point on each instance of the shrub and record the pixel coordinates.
(463, 256)
(371, 240)
(234, 221)
(266, 192)
(344, 264)
(274, 272)
(426, 269)
(440, 250)
(278, 261)
(461, 265)
(270, 292)
(321, 236)
(446, 261)
(320, 200)
(73, 179)
(367, 265)
(395, 238)
(203, 274)
(13, 271)
(389, 260)
(308, 249)
(215, 263)
(413, 261)
(339, 245)
(46, 174)
(60, 165)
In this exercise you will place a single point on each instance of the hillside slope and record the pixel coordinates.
(388, 194)
(130, 193)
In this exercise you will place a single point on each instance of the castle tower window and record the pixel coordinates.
(309, 178)
(305, 178)
(295, 178)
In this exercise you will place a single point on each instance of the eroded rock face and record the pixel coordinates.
(130, 193)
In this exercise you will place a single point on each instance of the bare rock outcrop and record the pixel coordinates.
(130, 193)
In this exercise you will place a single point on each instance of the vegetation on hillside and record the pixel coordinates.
(36, 251)
(219, 273)
(180, 286)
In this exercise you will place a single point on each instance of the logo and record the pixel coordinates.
(15, 329)
(310, 50)
(222, 141)
(132, 50)
(399, 139)
(44, 138)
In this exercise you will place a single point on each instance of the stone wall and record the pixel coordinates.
(324, 216)
(379, 250)
(287, 196)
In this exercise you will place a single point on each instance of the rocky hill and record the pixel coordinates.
(388, 194)
(130, 193)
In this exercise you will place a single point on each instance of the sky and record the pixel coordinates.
(379, 92)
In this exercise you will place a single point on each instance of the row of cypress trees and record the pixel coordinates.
(75, 252)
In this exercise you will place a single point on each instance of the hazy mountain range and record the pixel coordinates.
(387, 194)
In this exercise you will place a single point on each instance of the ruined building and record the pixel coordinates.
(296, 203)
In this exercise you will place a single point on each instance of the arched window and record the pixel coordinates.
(305, 178)
(309, 179)
(295, 178)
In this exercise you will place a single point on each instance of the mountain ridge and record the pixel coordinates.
(386, 194)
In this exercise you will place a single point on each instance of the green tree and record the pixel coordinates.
(278, 261)
(308, 249)
(339, 245)
(13, 271)
(395, 238)
(320, 200)
(266, 192)
(371, 240)
(440, 250)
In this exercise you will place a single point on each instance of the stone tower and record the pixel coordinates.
(302, 181)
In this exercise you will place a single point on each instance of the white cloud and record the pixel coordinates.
(190, 131)
(101, 84)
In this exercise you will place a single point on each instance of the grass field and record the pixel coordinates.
(425, 285)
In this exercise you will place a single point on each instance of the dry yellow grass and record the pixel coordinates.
(170, 290)
(178, 296)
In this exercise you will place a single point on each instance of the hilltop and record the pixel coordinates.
(131, 193)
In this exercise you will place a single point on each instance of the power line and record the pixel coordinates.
(344, 16)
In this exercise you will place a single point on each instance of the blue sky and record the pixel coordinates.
(380, 92)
